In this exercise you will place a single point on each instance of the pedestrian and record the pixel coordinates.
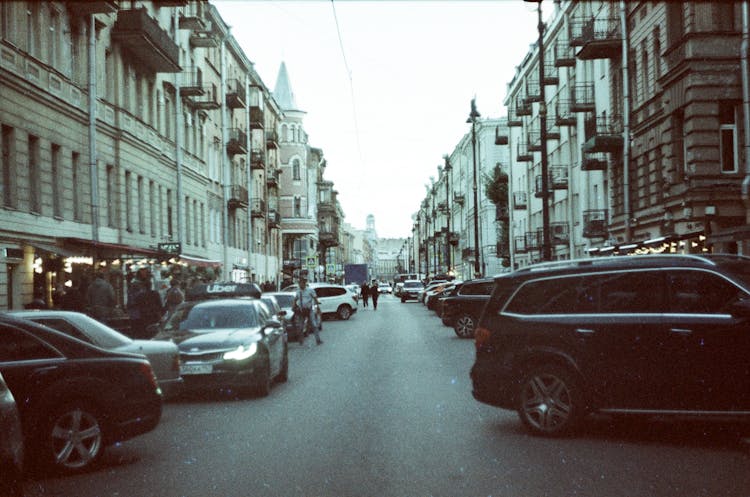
(374, 293)
(304, 301)
(100, 298)
(144, 305)
(174, 296)
(365, 292)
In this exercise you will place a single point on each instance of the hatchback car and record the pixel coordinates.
(233, 343)
(335, 300)
(411, 290)
(662, 336)
(385, 288)
(74, 398)
(162, 354)
(286, 301)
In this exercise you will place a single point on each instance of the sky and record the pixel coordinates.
(386, 85)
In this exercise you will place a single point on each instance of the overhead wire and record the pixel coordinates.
(351, 82)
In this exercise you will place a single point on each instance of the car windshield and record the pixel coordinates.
(85, 328)
(213, 317)
(413, 284)
(284, 300)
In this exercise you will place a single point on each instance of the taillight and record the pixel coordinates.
(481, 337)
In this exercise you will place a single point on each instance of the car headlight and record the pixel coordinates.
(241, 353)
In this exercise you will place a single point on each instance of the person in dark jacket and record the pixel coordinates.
(144, 304)
(374, 293)
(365, 292)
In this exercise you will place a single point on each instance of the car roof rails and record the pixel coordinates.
(222, 290)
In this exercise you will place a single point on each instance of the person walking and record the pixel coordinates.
(374, 293)
(174, 296)
(304, 301)
(144, 304)
(365, 292)
(100, 298)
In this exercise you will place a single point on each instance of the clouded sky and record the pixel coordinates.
(386, 85)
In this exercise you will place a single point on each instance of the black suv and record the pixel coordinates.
(663, 335)
(462, 311)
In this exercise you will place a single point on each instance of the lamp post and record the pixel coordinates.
(473, 120)
(448, 246)
(546, 245)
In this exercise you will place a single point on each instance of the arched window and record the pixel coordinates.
(284, 131)
(296, 170)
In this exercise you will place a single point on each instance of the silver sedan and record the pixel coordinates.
(163, 355)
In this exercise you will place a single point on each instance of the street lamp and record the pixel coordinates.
(546, 245)
(473, 120)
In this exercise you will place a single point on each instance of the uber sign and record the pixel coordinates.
(170, 247)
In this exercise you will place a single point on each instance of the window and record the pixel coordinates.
(657, 58)
(678, 138)
(728, 138)
(75, 160)
(296, 175)
(34, 173)
(57, 181)
(128, 201)
(9, 185)
(53, 43)
(111, 191)
(297, 206)
(629, 292)
(17, 345)
(170, 230)
(700, 292)
(187, 218)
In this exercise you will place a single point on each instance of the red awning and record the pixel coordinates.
(104, 250)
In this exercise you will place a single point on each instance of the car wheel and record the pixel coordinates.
(264, 380)
(284, 373)
(465, 325)
(445, 321)
(403, 300)
(344, 312)
(550, 401)
(72, 437)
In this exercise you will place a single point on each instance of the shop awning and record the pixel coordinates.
(52, 249)
(104, 250)
(199, 261)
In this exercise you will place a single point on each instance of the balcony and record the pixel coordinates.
(88, 8)
(594, 161)
(595, 223)
(582, 98)
(523, 154)
(257, 160)
(550, 73)
(235, 94)
(256, 117)
(564, 116)
(533, 91)
(533, 240)
(207, 99)
(559, 233)
(558, 177)
(519, 244)
(258, 208)
(564, 56)
(576, 36)
(237, 143)
(523, 108)
(237, 197)
(326, 207)
(513, 118)
(203, 39)
(502, 213)
(459, 198)
(519, 200)
(467, 254)
(191, 82)
(272, 178)
(501, 249)
(274, 218)
(603, 134)
(602, 39)
(328, 238)
(453, 238)
(535, 141)
(140, 35)
(192, 20)
(500, 139)
(272, 139)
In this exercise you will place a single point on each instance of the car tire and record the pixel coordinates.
(403, 300)
(550, 401)
(344, 312)
(283, 376)
(465, 325)
(71, 437)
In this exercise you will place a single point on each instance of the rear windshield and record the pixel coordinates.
(413, 284)
(213, 317)
(284, 300)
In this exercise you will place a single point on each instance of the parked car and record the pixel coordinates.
(355, 289)
(11, 444)
(385, 288)
(411, 290)
(228, 343)
(663, 336)
(463, 310)
(335, 300)
(428, 288)
(432, 300)
(440, 304)
(286, 300)
(432, 289)
(74, 398)
(162, 354)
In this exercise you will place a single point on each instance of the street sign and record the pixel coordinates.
(311, 262)
(170, 247)
(330, 269)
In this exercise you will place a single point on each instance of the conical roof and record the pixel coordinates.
(282, 92)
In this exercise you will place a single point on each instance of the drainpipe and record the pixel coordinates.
(249, 176)
(745, 51)
(626, 123)
(179, 129)
(93, 170)
(224, 163)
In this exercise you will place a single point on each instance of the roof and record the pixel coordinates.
(223, 290)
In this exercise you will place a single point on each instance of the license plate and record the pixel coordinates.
(196, 369)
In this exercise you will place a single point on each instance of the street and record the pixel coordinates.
(384, 408)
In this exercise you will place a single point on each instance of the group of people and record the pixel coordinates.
(367, 291)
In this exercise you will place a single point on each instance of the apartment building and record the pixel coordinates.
(138, 133)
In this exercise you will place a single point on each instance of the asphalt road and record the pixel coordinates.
(384, 408)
